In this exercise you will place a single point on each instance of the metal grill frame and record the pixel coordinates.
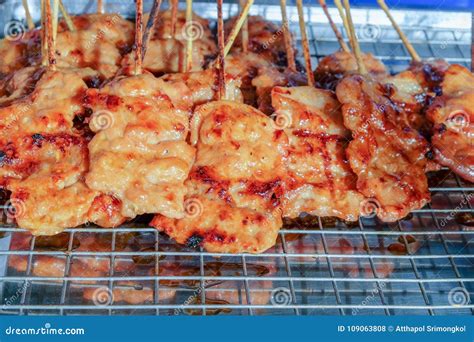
(314, 275)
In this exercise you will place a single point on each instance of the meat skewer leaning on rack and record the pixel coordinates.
(448, 108)
(320, 181)
(389, 160)
(234, 185)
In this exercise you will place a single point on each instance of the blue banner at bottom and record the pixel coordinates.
(237, 328)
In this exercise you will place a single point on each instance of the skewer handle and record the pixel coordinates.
(411, 50)
(354, 42)
(100, 6)
(304, 38)
(245, 30)
(189, 40)
(290, 52)
(29, 19)
(150, 25)
(340, 8)
(67, 18)
(174, 14)
(220, 43)
(238, 25)
(138, 37)
(338, 34)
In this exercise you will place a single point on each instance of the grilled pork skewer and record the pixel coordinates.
(234, 185)
(320, 180)
(389, 161)
(139, 153)
(450, 113)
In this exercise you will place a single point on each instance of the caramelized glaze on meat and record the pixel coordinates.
(334, 67)
(453, 117)
(320, 180)
(139, 153)
(235, 184)
(389, 161)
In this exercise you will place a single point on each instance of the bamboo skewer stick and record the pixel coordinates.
(44, 43)
(150, 25)
(189, 41)
(354, 42)
(290, 52)
(138, 36)
(304, 38)
(55, 18)
(411, 50)
(338, 34)
(100, 6)
(340, 8)
(220, 43)
(51, 60)
(238, 25)
(174, 14)
(67, 17)
(29, 19)
(245, 30)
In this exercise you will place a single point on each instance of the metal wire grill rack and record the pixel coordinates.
(423, 264)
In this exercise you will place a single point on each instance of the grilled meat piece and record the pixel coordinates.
(235, 184)
(453, 117)
(320, 180)
(334, 67)
(139, 153)
(388, 160)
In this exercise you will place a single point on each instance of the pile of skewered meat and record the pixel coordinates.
(219, 143)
